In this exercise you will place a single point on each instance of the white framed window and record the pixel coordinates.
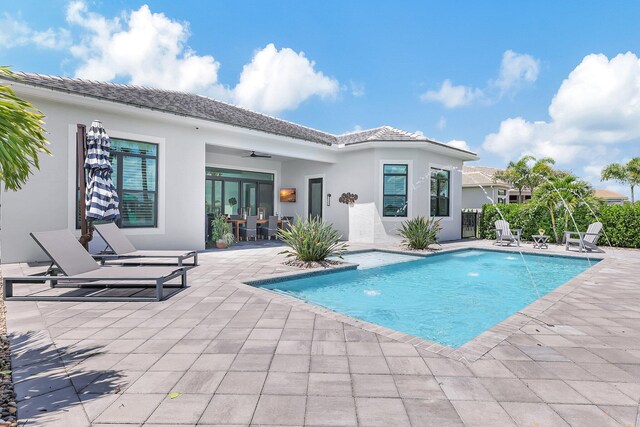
(395, 193)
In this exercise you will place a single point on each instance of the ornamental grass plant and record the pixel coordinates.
(310, 242)
(420, 232)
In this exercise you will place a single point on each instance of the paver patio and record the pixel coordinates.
(224, 353)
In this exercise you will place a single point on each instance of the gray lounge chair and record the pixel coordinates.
(269, 229)
(123, 249)
(79, 270)
(585, 241)
(504, 234)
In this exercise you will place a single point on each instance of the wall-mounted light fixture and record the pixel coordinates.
(328, 199)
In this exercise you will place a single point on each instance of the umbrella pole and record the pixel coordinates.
(81, 136)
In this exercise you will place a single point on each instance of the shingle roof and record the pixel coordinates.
(184, 104)
(480, 175)
(201, 107)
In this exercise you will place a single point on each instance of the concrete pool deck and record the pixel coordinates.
(224, 353)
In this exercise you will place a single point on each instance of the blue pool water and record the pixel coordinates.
(446, 298)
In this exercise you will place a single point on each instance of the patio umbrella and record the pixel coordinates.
(100, 195)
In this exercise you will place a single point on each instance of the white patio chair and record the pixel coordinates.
(585, 241)
(504, 234)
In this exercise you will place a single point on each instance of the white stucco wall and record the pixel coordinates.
(360, 172)
(47, 201)
(186, 146)
(475, 198)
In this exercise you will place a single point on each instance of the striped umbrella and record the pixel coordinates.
(100, 196)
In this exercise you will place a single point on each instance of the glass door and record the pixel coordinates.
(213, 197)
(265, 197)
(315, 198)
(250, 197)
(231, 197)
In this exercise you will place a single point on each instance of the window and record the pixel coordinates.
(135, 176)
(439, 192)
(394, 190)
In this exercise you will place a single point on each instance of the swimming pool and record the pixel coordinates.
(447, 298)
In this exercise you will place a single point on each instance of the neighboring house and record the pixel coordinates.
(479, 188)
(178, 157)
(610, 197)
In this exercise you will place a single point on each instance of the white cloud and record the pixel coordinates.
(16, 32)
(596, 106)
(278, 80)
(456, 143)
(146, 47)
(452, 96)
(357, 89)
(516, 69)
(150, 49)
(442, 123)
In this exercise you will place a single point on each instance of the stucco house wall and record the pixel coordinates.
(186, 146)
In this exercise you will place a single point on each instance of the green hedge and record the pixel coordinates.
(621, 223)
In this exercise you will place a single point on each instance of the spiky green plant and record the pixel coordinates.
(312, 240)
(420, 232)
(22, 136)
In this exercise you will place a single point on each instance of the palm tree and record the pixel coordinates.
(516, 174)
(563, 192)
(21, 136)
(628, 174)
(540, 172)
(522, 176)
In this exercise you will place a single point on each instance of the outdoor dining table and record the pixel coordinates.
(237, 223)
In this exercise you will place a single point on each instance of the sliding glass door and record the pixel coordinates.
(228, 191)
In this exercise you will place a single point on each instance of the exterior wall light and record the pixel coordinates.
(328, 199)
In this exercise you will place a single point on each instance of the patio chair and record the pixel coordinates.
(269, 229)
(504, 234)
(80, 270)
(585, 241)
(123, 249)
(250, 228)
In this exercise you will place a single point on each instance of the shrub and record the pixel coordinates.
(221, 230)
(312, 240)
(620, 223)
(420, 232)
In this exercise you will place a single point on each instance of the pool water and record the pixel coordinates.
(447, 298)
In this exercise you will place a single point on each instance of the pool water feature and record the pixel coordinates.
(447, 298)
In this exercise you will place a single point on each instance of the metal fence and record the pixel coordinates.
(471, 224)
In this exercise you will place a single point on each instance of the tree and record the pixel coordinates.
(22, 136)
(563, 193)
(516, 174)
(522, 176)
(628, 174)
(540, 172)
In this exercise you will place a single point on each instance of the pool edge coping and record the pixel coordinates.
(473, 349)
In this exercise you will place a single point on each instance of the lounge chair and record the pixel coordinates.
(504, 234)
(585, 241)
(123, 249)
(79, 270)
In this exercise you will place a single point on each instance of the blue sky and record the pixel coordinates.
(503, 78)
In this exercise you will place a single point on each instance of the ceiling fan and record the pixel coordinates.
(254, 155)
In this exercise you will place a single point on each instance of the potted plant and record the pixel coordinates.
(221, 232)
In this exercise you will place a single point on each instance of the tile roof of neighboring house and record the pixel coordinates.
(479, 175)
(608, 194)
(201, 107)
